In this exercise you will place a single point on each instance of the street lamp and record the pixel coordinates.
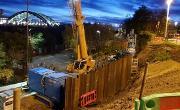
(167, 17)
(99, 32)
(175, 24)
(98, 40)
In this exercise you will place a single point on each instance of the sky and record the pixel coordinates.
(107, 11)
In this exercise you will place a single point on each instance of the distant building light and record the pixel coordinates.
(3, 20)
(91, 22)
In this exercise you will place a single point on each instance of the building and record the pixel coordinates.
(3, 19)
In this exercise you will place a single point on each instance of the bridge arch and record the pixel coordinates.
(22, 15)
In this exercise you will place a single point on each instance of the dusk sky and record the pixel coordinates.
(94, 10)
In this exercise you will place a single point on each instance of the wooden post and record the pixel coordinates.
(67, 93)
(143, 81)
(17, 99)
(76, 93)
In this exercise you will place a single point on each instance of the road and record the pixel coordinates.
(59, 61)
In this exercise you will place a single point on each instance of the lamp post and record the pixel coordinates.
(99, 32)
(27, 35)
(167, 17)
(175, 24)
(98, 40)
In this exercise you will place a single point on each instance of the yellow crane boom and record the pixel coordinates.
(84, 62)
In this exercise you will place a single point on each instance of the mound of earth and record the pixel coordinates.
(157, 81)
(162, 77)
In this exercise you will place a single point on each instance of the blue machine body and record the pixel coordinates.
(48, 83)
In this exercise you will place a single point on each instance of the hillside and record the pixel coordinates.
(162, 77)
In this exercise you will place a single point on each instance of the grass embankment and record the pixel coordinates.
(159, 52)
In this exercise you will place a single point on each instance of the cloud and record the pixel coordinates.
(104, 10)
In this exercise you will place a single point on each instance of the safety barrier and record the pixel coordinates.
(88, 98)
(13, 86)
(164, 101)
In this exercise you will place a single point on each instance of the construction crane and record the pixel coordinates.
(83, 63)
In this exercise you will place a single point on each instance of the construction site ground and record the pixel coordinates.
(162, 77)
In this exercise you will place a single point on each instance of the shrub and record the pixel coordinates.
(6, 75)
(159, 55)
(142, 39)
(37, 41)
(2, 57)
(162, 56)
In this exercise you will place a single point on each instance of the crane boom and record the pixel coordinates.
(84, 62)
(78, 17)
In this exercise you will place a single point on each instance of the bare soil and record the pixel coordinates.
(30, 103)
(162, 77)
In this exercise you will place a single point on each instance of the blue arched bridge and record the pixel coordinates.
(34, 19)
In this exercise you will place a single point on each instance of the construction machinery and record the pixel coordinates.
(51, 84)
(83, 63)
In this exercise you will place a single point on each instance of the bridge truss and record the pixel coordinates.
(34, 19)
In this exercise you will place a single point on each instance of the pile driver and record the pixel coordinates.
(83, 63)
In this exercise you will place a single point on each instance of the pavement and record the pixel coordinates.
(57, 61)
(174, 41)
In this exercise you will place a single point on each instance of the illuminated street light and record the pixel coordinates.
(99, 32)
(167, 17)
(98, 40)
(176, 23)
(73, 1)
(169, 2)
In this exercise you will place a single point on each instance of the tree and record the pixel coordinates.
(146, 19)
(14, 44)
(2, 57)
(5, 74)
(146, 23)
(178, 28)
(141, 20)
(37, 41)
(159, 17)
